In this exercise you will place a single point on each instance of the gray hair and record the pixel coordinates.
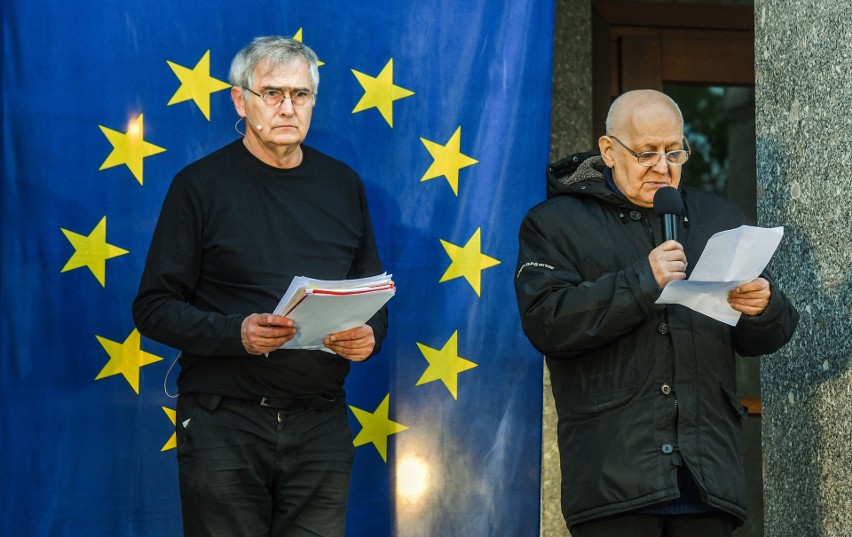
(628, 100)
(273, 50)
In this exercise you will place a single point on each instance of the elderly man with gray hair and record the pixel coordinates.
(649, 430)
(264, 445)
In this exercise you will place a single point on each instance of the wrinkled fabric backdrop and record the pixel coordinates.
(443, 109)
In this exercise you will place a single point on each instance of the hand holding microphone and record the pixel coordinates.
(668, 261)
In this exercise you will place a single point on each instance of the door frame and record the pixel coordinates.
(632, 50)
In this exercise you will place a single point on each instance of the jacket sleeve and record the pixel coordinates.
(769, 331)
(161, 309)
(562, 313)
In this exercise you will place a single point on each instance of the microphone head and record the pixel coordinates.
(257, 126)
(668, 200)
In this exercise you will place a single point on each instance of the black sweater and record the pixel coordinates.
(231, 235)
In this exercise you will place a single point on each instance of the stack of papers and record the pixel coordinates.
(730, 259)
(323, 307)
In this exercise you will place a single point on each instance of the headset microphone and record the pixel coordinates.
(257, 126)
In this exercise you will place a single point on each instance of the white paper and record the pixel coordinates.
(300, 284)
(731, 258)
(319, 315)
(323, 307)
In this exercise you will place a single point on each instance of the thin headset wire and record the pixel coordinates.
(241, 133)
(166, 378)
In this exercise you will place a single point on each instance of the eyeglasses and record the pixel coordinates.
(678, 157)
(273, 97)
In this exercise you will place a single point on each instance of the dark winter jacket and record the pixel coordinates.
(640, 388)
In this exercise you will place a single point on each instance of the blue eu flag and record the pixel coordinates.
(441, 107)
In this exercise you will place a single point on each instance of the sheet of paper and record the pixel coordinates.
(323, 307)
(319, 315)
(300, 284)
(730, 258)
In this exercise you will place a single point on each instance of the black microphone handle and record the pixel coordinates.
(669, 225)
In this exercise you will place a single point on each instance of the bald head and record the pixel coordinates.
(642, 121)
(632, 106)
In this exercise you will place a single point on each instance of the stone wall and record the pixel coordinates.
(570, 132)
(803, 72)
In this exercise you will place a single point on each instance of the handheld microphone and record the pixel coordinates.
(668, 204)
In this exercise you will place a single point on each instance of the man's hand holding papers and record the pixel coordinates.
(332, 315)
(725, 282)
(262, 333)
(750, 298)
(355, 344)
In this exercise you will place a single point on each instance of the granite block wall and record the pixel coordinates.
(803, 72)
(570, 132)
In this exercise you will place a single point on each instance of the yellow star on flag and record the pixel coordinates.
(380, 92)
(376, 427)
(129, 148)
(91, 251)
(448, 160)
(196, 84)
(298, 37)
(467, 261)
(445, 364)
(172, 443)
(126, 359)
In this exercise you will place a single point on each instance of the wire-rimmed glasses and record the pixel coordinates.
(677, 157)
(273, 97)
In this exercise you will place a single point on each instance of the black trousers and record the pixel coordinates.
(633, 525)
(251, 471)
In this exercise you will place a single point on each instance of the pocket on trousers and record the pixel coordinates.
(187, 411)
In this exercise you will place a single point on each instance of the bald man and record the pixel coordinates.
(649, 432)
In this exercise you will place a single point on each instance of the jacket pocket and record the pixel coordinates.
(740, 411)
(601, 402)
